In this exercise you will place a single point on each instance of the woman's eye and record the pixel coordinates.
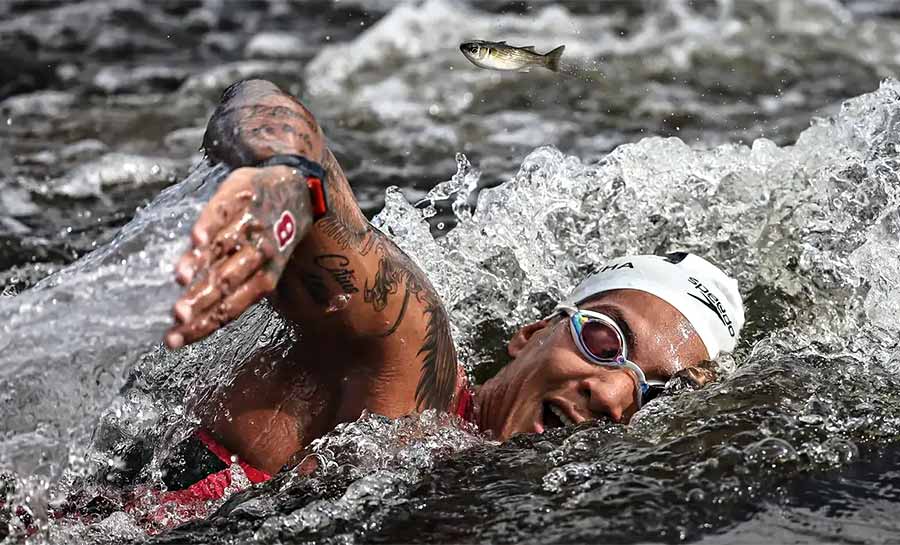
(601, 340)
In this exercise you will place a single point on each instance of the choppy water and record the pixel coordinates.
(798, 442)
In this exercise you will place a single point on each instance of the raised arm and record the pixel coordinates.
(341, 280)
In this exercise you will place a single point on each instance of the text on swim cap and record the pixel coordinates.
(712, 302)
(615, 267)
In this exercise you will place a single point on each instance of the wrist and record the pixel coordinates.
(313, 174)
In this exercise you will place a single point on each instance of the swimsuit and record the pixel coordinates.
(214, 484)
(207, 464)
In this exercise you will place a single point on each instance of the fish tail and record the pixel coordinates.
(553, 58)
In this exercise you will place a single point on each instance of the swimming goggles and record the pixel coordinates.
(601, 342)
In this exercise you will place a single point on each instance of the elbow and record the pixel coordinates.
(232, 134)
(220, 141)
(249, 90)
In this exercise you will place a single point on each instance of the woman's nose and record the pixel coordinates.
(610, 393)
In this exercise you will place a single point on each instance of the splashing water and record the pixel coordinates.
(811, 226)
(797, 442)
(811, 230)
(68, 343)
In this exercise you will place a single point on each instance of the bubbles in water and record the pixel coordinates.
(811, 230)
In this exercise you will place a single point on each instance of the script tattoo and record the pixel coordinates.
(399, 279)
(337, 267)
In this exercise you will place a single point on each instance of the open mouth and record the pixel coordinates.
(554, 417)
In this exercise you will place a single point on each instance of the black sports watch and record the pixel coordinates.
(315, 179)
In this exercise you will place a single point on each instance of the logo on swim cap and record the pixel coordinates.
(700, 291)
(712, 303)
(675, 257)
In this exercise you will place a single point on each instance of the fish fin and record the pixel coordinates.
(529, 48)
(553, 58)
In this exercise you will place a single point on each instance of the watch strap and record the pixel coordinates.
(315, 179)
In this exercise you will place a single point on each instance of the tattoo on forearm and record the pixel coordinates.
(282, 123)
(255, 111)
(278, 219)
(343, 224)
(273, 137)
(306, 140)
(278, 113)
(396, 272)
(437, 384)
(396, 277)
(338, 267)
(272, 127)
(335, 229)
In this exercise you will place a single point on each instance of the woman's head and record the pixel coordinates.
(671, 313)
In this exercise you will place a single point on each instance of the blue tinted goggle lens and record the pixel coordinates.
(602, 342)
(600, 339)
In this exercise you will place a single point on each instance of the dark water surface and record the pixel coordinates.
(764, 165)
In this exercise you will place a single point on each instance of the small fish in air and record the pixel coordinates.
(502, 56)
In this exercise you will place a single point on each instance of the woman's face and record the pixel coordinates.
(549, 383)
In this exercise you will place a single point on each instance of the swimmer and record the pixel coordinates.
(374, 334)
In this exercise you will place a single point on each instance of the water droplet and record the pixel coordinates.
(696, 495)
(338, 302)
(810, 419)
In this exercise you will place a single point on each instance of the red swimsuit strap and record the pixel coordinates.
(213, 486)
(465, 404)
(254, 475)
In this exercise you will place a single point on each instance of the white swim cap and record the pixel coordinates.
(706, 296)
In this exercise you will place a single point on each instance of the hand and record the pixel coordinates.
(240, 246)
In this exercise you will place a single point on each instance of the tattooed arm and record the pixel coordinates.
(352, 292)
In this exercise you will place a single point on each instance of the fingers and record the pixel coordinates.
(226, 208)
(260, 284)
(229, 201)
(230, 239)
(221, 281)
(241, 242)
